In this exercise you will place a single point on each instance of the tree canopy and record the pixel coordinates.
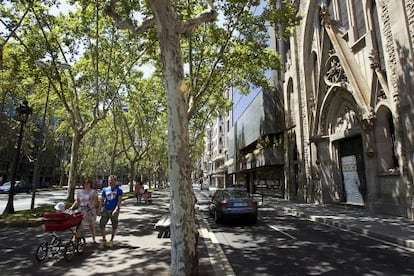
(91, 57)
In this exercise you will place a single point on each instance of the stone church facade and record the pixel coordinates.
(349, 105)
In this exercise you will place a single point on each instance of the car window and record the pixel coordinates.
(235, 193)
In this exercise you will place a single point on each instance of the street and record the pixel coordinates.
(22, 201)
(280, 244)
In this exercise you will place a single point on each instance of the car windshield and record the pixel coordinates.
(235, 194)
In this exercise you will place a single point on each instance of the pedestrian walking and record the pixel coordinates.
(138, 191)
(110, 205)
(86, 200)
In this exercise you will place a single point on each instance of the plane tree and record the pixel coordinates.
(241, 61)
(141, 120)
(84, 59)
(132, 136)
(216, 55)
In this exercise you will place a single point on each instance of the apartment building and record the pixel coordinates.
(213, 168)
(252, 133)
(26, 165)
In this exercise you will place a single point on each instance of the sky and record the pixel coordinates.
(63, 8)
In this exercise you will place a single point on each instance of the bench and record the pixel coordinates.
(163, 226)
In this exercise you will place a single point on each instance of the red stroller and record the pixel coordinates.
(55, 246)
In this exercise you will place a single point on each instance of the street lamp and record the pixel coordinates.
(39, 143)
(23, 112)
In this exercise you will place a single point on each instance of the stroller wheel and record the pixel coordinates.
(41, 252)
(69, 251)
(80, 245)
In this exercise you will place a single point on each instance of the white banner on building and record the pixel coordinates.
(351, 180)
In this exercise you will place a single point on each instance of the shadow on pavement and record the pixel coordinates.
(136, 250)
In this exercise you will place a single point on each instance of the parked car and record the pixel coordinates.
(20, 186)
(232, 203)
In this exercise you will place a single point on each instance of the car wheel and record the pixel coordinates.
(210, 212)
(217, 217)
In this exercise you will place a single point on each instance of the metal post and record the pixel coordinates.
(36, 174)
(9, 207)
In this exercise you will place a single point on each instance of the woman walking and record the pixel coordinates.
(86, 200)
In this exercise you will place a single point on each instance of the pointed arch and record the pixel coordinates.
(339, 112)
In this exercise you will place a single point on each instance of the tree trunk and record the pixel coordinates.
(76, 138)
(183, 228)
(132, 165)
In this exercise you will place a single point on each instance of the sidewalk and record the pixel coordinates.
(392, 229)
(137, 250)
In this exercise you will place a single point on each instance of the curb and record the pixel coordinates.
(216, 255)
(218, 258)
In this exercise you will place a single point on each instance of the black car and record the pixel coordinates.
(232, 203)
(20, 186)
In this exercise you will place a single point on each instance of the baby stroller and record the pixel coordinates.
(56, 246)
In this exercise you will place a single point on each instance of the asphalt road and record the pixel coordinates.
(285, 245)
(22, 201)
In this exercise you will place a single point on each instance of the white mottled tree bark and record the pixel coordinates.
(184, 257)
(183, 228)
